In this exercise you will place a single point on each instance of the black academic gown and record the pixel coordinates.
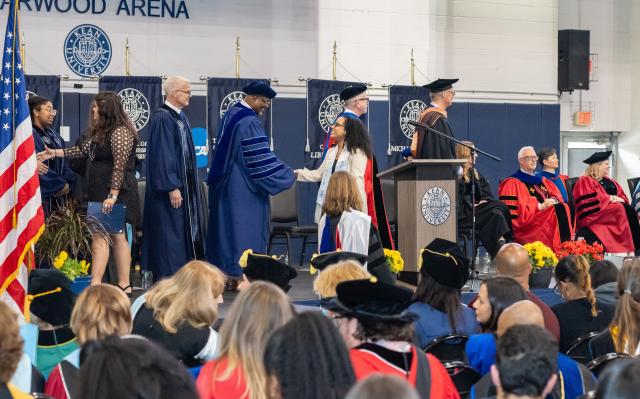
(493, 220)
(171, 236)
(432, 145)
(59, 172)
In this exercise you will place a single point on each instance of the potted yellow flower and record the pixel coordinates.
(76, 270)
(543, 260)
(394, 260)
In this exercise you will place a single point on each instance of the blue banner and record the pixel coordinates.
(140, 96)
(47, 86)
(323, 106)
(405, 104)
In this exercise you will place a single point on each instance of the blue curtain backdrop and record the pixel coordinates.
(405, 104)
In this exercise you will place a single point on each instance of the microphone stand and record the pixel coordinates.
(474, 151)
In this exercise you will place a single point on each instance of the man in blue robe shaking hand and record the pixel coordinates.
(243, 174)
(173, 222)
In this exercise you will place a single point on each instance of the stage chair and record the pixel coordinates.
(463, 376)
(599, 364)
(448, 348)
(285, 222)
(579, 350)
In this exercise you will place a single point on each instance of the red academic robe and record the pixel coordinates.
(366, 363)
(607, 220)
(551, 226)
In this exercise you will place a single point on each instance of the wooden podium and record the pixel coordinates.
(426, 198)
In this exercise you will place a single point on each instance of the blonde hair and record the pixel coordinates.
(627, 314)
(190, 296)
(254, 315)
(342, 194)
(327, 281)
(101, 310)
(592, 170)
(11, 342)
(463, 152)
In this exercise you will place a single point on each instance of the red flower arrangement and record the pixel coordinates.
(591, 252)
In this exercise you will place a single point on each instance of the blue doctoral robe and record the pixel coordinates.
(243, 173)
(172, 236)
(59, 172)
(433, 323)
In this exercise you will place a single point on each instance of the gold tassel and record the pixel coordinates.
(29, 298)
(244, 257)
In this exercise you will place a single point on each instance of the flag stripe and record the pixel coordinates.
(23, 134)
(28, 237)
(30, 190)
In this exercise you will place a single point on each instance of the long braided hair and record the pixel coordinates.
(575, 269)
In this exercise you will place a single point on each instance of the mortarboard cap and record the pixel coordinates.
(326, 259)
(54, 307)
(597, 157)
(268, 268)
(443, 261)
(352, 91)
(439, 85)
(259, 88)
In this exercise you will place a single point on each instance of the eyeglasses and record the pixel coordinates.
(453, 93)
(52, 111)
(529, 159)
(363, 99)
(185, 92)
(338, 124)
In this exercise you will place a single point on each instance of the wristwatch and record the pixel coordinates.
(112, 196)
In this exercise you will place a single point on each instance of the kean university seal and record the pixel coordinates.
(230, 100)
(436, 206)
(410, 112)
(329, 110)
(87, 50)
(135, 104)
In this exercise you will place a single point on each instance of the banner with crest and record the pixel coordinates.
(224, 93)
(405, 104)
(323, 107)
(47, 86)
(140, 96)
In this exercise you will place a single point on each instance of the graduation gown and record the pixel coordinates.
(614, 223)
(493, 219)
(429, 145)
(59, 174)
(243, 174)
(172, 236)
(367, 360)
(522, 193)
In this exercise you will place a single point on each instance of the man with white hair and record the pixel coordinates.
(538, 211)
(173, 213)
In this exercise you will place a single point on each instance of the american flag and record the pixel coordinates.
(21, 215)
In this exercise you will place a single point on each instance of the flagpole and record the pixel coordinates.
(335, 59)
(127, 71)
(16, 16)
(23, 53)
(237, 57)
(413, 69)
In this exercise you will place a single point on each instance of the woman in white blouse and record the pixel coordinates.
(351, 153)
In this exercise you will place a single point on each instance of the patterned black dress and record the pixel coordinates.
(110, 165)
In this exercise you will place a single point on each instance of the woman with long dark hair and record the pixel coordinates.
(350, 154)
(496, 295)
(580, 314)
(437, 303)
(109, 145)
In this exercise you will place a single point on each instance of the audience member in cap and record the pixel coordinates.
(493, 221)
(238, 371)
(580, 314)
(351, 152)
(50, 309)
(306, 358)
(538, 211)
(244, 173)
(576, 377)
(101, 310)
(444, 272)
(428, 145)
(513, 261)
(59, 180)
(385, 328)
(623, 334)
(526, 363)
(173, 207)
(604, 209)
(343, 226)
(325, 284)
(178, 312)
(549, 162)
(495, 296)
(10, 351)
(319, 262)
(381, 386)
(356, 103)
(266, 268)
(604, 277)
(131, 368)
(621, 380)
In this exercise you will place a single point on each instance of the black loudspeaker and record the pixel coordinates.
(573, 60)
